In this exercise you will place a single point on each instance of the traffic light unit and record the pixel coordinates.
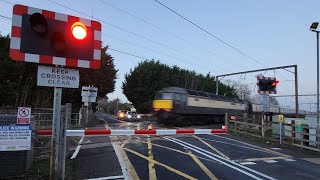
(47, 37)
(267, 85)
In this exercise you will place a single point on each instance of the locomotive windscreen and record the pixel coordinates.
(164, 96)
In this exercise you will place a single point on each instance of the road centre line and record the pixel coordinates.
(257, 149)
(75, 153)
(211, 147)
(220, 159)
(274, 152)
(202, 166)
(161, 164)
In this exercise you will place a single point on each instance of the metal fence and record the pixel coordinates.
(34, 163)
(302, 136)
(40, 120)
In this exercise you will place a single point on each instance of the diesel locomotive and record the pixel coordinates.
(178, 106)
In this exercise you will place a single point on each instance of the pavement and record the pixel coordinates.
(186, 156)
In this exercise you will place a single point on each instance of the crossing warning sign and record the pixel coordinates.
(23, 116)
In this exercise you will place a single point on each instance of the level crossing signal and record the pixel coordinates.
(267, 85)
(47, 37)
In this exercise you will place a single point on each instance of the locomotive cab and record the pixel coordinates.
(169, 101)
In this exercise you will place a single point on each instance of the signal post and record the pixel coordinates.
(58, 40)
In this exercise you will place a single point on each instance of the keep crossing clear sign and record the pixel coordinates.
(58, 77)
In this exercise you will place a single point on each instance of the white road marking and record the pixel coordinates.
(74, 155)
(275, 148)
(243, 169)
(248, 163)
(290, 160)
(105, 178)
(270, 161)
(274, 152)
(123, 168)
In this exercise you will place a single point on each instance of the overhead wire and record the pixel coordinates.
(167, 31)
(120, 28)
(207, 32)
(214, 36)
(163, 53)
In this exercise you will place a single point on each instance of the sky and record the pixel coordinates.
(273, 33)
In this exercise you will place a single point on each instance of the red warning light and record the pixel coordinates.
(275, 83)
(79, 31)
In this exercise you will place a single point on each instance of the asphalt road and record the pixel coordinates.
(187, 156)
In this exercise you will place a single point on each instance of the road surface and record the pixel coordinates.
(186, 156)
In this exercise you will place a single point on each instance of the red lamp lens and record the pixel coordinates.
(79, 31)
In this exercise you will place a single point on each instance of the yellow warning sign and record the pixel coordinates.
(280, 118)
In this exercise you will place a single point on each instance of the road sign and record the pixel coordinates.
(15, 138)
(298, 126)
(23, 115)
(265, 102)
(57, 77)
(89, 94)
(280, 118)
(46, 37)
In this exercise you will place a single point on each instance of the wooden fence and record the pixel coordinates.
(260, 126)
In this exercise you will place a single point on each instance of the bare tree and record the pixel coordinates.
(243, 91)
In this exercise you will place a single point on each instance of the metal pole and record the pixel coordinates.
(62, 145)
(280, 132)
(217, 84)
(318, 78)
(296, 89)
(55, 141)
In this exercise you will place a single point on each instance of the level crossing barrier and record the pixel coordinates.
(126, 132)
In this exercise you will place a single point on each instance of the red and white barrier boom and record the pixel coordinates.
(126, 132)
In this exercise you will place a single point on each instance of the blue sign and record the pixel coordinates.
(14, 127)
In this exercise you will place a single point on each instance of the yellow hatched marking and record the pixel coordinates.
(124, 143)
(151, 165)
(202, 166)
(175, 150)
(160, 164)
(211, 147)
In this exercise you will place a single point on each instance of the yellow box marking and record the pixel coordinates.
(162, 165)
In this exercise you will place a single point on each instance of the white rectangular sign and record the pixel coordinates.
(265, 103)
(15, 138)
(89, 91)
(23, 115)
(58, 77)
